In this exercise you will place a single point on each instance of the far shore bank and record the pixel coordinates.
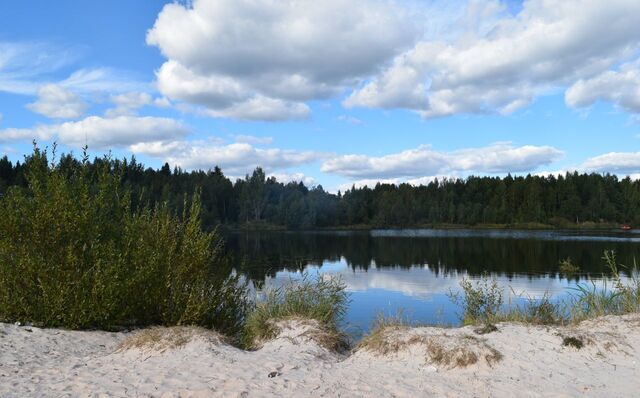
(595, 358)
(266, 227)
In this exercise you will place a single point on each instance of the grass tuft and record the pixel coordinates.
(570, 341)
(482, 301)
(166, 338)
(323, 299)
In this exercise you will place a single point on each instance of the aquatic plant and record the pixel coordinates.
(482, 301)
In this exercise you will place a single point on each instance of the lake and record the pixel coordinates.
(414, 270)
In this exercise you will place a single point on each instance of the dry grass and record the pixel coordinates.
(447, 351)
(161, 339)
(327, 337)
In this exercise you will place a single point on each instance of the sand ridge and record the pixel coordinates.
(532, 362)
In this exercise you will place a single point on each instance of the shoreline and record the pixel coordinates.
(514, 360)
(589, 226)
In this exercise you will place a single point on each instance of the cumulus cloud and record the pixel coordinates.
(264, 59)
(425, 162)
(56, 102)
(614, 162)
(101, 133)
(128, 103)
(503, 67)
(264, 108)
(40, 133)
(621, 87)
(236, 159)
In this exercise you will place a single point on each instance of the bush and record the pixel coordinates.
(322, 299)
(480, 301)
(74, 254)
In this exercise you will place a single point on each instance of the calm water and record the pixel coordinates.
(414, 270)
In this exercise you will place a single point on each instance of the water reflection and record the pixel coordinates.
(416, 269)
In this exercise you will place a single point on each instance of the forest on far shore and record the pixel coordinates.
(559, 201)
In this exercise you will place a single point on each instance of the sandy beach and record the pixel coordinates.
(515, 360)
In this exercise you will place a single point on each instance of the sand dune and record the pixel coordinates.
(515, 360)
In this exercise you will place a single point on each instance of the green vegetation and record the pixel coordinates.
(482, 301)
(75, 253)
(574, 342)
(614, 298)
(322, 299)
(571, 200)
(567, 267)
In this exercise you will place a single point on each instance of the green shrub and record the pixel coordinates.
(74, 254)
(480, 301)
(323, 299)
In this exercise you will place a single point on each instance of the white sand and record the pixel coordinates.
(48, 362)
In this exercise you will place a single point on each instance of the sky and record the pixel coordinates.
(334, 93)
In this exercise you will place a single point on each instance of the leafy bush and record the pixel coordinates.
(323, 299)
(480, 301)
(73, 253)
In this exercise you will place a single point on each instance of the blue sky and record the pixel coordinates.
(334, 93)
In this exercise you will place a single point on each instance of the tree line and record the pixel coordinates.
(563, 200)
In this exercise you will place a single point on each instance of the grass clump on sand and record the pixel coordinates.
(379, 340)
(161, 339)
(75, 253)
(391, 335)
(323, 299)
(570, 341)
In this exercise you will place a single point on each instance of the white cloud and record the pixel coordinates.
(235, 159)
(23, 64)
(40, 133)
(294, 177)
(350, 120)
(242, 55)
(614, 162)
(372, 182)
(103, 80)
(57, 102)
(503, 67)
(101, 133)
(128, 103)
(264, 108)
(251, 139)
(424, 162)
(27, 66)
(620, 87)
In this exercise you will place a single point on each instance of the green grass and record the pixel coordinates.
(482, 301)
(322, 299)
